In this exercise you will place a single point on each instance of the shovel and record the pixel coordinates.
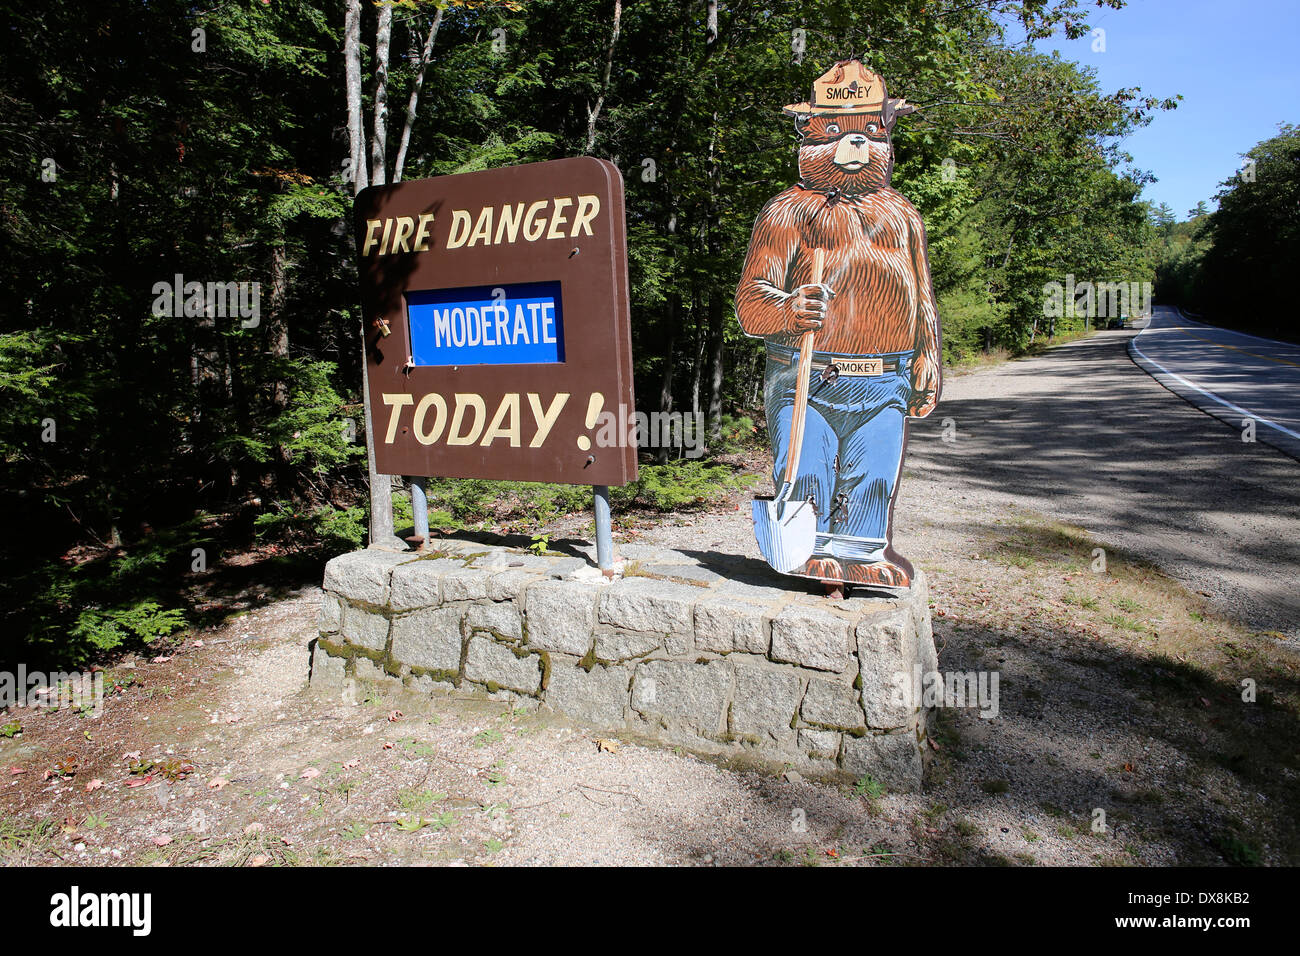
(787, 529)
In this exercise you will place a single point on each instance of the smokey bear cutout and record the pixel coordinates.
(837, 283)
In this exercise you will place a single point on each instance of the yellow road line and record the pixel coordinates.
(1266, 358)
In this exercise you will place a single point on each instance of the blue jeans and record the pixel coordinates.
(852, 449)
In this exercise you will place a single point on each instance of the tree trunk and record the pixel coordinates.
(278, 335)
(352, 74)
(425, 56)
(278, 327)
(717, 313)
(717, 318)
(593, 112)
(666, 381)
(701, 335)
(381, 492)
(379, 141)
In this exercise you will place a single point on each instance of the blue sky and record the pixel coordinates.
(1236, 64)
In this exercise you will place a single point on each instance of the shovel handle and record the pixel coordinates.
(801, 383)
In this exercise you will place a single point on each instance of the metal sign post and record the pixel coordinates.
(420, 513)
(604, 536)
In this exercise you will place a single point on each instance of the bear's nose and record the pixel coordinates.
(857, 139)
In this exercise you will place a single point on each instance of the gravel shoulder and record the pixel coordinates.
(1083, 435)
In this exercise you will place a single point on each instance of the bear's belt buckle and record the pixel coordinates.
(868, 366)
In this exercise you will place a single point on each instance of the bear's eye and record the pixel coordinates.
(833, 129)
(873, 128)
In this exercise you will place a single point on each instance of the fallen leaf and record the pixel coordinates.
(386, 746)
(352, 764)
(161, 840)
(15, 771)
(311, 773)
(933, 745)
(94, 785)
(161, 659)
(232, 719)
(254, 828)
(395, 716)
(606, 746)
(133, 755)
(259, 860)
(138, 781)
(216, 783)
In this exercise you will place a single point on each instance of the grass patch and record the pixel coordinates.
(259, 849)
(1238, 851)
(24, 845)
(869, 787)
(1122, 623)
(409, 798)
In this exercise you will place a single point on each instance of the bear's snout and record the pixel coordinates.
(853, 150)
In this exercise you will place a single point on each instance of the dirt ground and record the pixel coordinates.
(1139, 722)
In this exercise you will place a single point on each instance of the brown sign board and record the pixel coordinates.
(496, 324)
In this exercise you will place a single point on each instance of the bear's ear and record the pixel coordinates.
(801, 126)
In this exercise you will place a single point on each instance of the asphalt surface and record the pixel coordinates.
(1233, 376)
(1084, 435)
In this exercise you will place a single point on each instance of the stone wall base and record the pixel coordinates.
(713, 653)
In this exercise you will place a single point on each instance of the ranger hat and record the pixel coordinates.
(849, 87)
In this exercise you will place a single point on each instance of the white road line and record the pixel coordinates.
(1208, 394)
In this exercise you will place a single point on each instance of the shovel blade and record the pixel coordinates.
(786, 532)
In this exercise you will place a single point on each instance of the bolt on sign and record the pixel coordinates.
(496, 323)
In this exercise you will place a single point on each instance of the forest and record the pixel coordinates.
(1232, 265)
(165, 142)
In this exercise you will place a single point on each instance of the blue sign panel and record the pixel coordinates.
(520, 324)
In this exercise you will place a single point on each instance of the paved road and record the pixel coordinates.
(1233, 376)
(1086, 436)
